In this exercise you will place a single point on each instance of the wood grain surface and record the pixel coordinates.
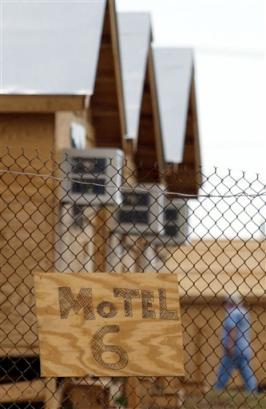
(27, 208)
(149, 150)
(41, 103)
(23, 391)
(107, 102)
(80, 335)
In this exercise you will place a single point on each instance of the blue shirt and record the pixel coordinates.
(238, 317)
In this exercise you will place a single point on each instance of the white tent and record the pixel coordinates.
(173, 68)
(50, 47)
(134, 31)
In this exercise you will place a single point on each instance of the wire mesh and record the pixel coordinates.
(95, 215)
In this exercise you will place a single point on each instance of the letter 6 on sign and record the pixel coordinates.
(98, 348)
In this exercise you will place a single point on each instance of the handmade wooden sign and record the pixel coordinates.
(109, 324)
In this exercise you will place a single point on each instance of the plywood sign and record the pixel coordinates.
(109, 324)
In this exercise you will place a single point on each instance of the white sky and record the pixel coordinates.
(229, 41)
(228, 37)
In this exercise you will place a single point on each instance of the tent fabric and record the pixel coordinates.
(50, 47)
(134, 32)
(173, 68)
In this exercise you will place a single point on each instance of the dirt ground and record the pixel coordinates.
(226, 400)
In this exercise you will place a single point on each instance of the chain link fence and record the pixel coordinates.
(89, 214)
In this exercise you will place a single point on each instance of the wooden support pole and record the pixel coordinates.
(147, 260)
(73, 248)
(114, 253)
(134, 393)
(53, 394)
(129, 254)
(100, 239)
(33, 391)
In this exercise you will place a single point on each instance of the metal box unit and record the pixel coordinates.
(92, 176)
(175, 221)
(141, 210)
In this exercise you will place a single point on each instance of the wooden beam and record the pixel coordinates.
(107, 101)
(33, 391)
(42, 103)
(14, 352)
(149, 157)
(53, 394)
(100, 238)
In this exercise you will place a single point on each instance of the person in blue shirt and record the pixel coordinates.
(237, 351)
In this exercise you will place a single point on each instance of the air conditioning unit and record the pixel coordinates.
(175, 222)
(141, 210)
(91, 176)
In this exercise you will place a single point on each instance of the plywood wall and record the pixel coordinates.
(30, 143)
(30, 131)
(27, 218)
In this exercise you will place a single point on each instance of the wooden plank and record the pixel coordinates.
(53, 394)
(145, 332)
(107, 102)
(246, 258)
(149, 156)
(134, 392)
(33, 391)
(100, 238)
(156, 115)
(42, 103)
(26, 241)
(27, 207)
(19, 351)
(27, 141)
(37, 189)
(74, 246)
(210, 286)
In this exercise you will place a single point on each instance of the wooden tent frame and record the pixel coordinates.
(149, 154)
(42, 103)
(44, 390)
(107, 110)
(149, 157)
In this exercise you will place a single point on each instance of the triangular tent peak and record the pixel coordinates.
(173, 67)
(178, 111)
(134, 33)
(149, 156)
(107, 105)
(186, 178)
(56, 46)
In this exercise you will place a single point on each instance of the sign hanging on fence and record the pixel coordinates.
(109, 324)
